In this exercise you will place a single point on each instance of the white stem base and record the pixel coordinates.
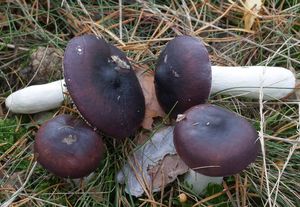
(199, 182)
(34, 99)
(276, 82)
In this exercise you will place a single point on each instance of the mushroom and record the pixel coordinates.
(215, 142)
(248, 81)
(68, 147)
(103, 86)
(182, 75)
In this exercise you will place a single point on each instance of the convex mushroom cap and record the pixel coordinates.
(214, 141)
(68, 147)
(183, 75)
(103, 86)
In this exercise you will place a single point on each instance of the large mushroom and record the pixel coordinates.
(68, 147)
(103, 86)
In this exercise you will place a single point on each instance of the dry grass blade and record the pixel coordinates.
(16, 194)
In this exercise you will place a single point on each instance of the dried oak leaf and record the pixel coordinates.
(137, 173)
(153, 109)
(167, 171)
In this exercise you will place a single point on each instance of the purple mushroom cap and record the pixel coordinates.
(182, 75)
(68, 147)
(103, 86)
(214, 141)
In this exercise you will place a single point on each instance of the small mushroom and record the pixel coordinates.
(183, 75)
(214, 141)
(103, 86)
(68, 147)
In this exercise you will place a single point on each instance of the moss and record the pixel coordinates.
(10, 132)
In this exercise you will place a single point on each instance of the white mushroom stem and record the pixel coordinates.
(198, 182)
(37, 98)
(273, 82)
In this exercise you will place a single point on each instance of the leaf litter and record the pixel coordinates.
(152, 166)
(153, 109)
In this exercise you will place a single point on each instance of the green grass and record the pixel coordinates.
(146, 28)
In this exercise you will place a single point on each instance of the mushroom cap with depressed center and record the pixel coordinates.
(214, 141)
(68, 147)
(103, 86)
(183, 75)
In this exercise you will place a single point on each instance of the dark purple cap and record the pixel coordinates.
(103, 86)
(183, 75)
(68, 147)
(214, 141)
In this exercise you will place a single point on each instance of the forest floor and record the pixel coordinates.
(142, 30)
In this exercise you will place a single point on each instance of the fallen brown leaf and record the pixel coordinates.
(167, 171)
(135, 172)
(153, 108)
(252, 7)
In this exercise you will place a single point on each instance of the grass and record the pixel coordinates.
(146, 26)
